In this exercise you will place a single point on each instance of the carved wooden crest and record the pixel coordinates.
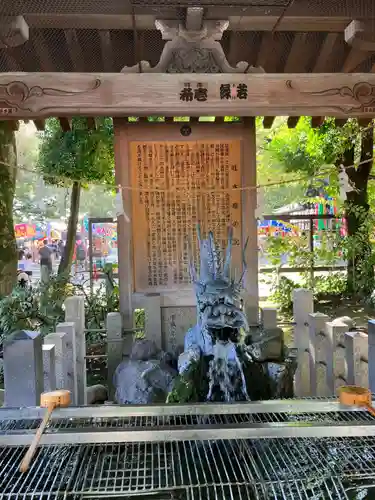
(192, 51)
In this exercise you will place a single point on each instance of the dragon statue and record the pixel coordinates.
(222, 356)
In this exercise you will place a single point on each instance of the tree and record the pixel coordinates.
(273, 173)
(8, 248)
(76, 158)
(324, 152)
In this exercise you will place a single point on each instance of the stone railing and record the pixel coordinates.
(33, 363)
(330, 353)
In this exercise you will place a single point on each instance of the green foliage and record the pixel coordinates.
(139, 322)
(360, 270)
(42, 307)
(331, 284)
(8, 254)
(299, 255)
(192, 385)
(52, 296)
(77, 155)
(19, 311)
(306, 150)
(282, 293)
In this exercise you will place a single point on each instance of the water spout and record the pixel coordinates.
(222, 367)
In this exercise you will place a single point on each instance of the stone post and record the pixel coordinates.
(70, 358)
(114, 348)
(23, 369)
(317, 357)
(356, 355)
(75, 313)
(371, 355)
(335, 332)
(61, 342)
(152, 306)
(303, 305)
(49, 367)
(268, 317)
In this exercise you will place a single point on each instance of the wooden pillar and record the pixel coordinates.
(249, 222)
(124, 227)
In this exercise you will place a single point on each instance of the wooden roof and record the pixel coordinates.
(106, 35)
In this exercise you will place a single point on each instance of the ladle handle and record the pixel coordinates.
(25, 464)
(371, 410)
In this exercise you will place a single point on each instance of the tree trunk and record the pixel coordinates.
(66, 261)
(8, 247)
(360, 263)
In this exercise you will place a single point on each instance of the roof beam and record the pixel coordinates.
(364, 122)
(14, 31)
(65, 124)
(75, 51)
(41, 48)
(326, 50)
(293, 121)
(118, 94)
(317, 121)
(297, 57)
(12, 125)
(354, 58)
(106, 49)
(91, 123)
(249, 22)
(268, 121)
(265, 48)
(340, 122)
(40, 125)
(12, 64)
(355, 33)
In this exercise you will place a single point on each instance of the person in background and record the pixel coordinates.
(45, 254)
(61, 247)
(80, 254)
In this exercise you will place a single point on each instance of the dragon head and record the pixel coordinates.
(218, 296)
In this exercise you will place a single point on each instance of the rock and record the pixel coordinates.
(187, 357)
(282, 376)
(2, 394)
(142, 382)
(96, 394)
(143, 350)
(198, 338)
(344, 320)
(268, 345)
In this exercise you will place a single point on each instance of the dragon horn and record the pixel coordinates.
(228, 254)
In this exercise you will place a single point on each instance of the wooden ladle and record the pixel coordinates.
(50, 401)
(353, 395)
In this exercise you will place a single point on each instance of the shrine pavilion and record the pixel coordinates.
(207, 59)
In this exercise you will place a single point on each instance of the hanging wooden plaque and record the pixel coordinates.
(176, 185)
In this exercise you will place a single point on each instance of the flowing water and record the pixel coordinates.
(223, 366)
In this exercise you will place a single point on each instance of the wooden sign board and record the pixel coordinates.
(32, 95)
(175, 186)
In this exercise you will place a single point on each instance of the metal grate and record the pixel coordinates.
(270, 469)
(184, 421)
(337, 468)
